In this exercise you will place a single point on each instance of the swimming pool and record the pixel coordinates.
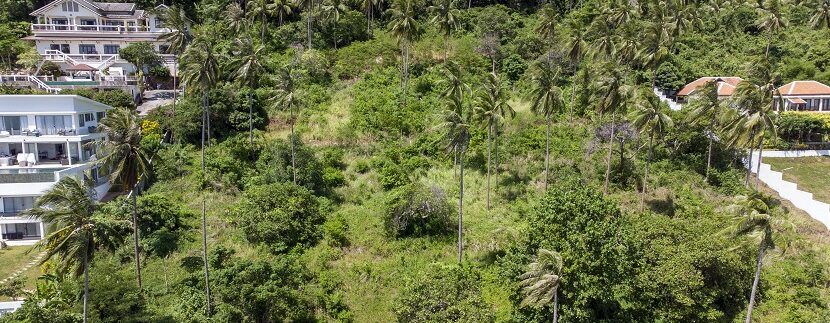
(24, 170)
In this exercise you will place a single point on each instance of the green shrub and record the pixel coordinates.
(361, 166)
(392, 175)
(336, 230)
(800, 127)
(333, 177)
(445, 293)
(282, 216)
(418, 210)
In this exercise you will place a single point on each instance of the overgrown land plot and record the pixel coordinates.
(448, 161)
(810, 173)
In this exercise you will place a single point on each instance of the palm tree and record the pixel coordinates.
(179, 38)
(444, 17)
(706, 108)
(771, 20)
(575, 51)
(821, 18)
(283, 8)
(603, 46)
(405, 28)
(333, 10)
(69, 207)
(547, 100)
(368, 5)
(309, 11)
(650, 119)
(547, 27)
(126, 161)
(249, 69)
(492, 107)
(757, 220)
(458, 122)
(541, 281)
(287, 98)
(201, 72)
(259, 10)
(654, 48)
(234, 18)
(612, 95)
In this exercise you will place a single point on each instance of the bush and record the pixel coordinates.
(418, 210)
(336, 230)
(444, 294)
(115, 98)
(282, 216)
(361, 166)
(800, 127)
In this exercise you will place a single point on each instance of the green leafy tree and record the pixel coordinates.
(758, 221)
(445, 17)
(333, 10)
(650, 119)
(283, 8)
(123, 157)
(541, 281)
(12, 287)
(179, 37)
(821, 18)
(707, 109)
(260, 10)
(142, 55)
(771, 20)
(547, 100)
(69, 207)
(492, 107)
(444, 293)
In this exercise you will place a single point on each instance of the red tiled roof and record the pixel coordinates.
(726, 85)
(801, 88)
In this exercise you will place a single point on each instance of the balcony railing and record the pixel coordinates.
(90, 28)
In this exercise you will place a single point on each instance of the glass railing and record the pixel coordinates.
(28, 175)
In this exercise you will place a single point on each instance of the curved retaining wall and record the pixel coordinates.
(788, 190)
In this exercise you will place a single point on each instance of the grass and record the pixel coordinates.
(810, 173)
(14, 258)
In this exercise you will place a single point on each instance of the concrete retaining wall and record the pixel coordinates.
(788, 190)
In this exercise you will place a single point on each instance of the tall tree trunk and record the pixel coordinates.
(547, 151)
(711, 143)
(205, 119)
(461, 206)
(556, 305)
(610, 152)
(455, 160)
(755, 284)
(758, 164)
(489, 132)
(250, 119)
(175, 89)
(263, 27)
(293, 149)
(368, 17)
(335, 35)
(135, 239)
(310, 17)
(645, 177)
(496, 152)
(86, 280)
(749, 160)
(573, 93)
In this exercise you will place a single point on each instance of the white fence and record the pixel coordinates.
(788, 190)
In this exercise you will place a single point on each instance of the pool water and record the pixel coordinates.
(24, 170)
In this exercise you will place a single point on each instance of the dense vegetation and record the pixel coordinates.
(446, 161)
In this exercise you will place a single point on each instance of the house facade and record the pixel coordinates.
(84, 38)
(726, 87)
(43, 138)
(803, 96)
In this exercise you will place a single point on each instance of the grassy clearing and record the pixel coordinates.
(810, 173)
(14, 258)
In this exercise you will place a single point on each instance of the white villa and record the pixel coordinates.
(726, 86)
(43, 138)
(84, 38)
(804, 96)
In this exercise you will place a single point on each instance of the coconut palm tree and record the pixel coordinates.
(287, 97)
(234, 18)
(406, 29)
(491, 107)
(179, 37)
(547, 27)
(654, 50)
(649, 119)
(332, 10)
(603, 46)
(757, 220)
(283, 9)
(546, 100)
(309, 11)
(771, 20)
(541, 281)
(249, 69)
(69, 207)
(707, 109)
(458, 121)
(126, 161)
(611, 97)
(575, 46)
(821, 18)
(201, 72)
(259, 10)
(445, 17)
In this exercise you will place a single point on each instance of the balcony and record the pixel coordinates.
(29, 175)
(119, 29)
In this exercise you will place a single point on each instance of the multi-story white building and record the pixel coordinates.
(43, 138)
(84, 38)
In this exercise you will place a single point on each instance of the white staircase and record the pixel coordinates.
(26, 80)
(788, 190)
(672, 105)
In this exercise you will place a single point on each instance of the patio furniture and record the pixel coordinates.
(43, 155)
(4, 161)
(4, 134)
(31, 159)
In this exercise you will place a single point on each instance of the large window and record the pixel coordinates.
(87, 49)
(13, 124)
(69, 6)
(49, 124)
(84, 118)
(17, 204)
(111, 49)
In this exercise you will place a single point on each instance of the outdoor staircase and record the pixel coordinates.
(672, 104)
(26, 80)
(788, 190)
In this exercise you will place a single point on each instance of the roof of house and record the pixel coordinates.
(804, 88)
(726, 85)
(124, 10)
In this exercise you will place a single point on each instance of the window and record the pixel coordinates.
(69, 6)
(99, 115)
(51, 124)
(111, 49)
(159, 22)
(17, 204)
(84, 118)
(87, 49)
(825, 105)
(12, 123)
(88, 22)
